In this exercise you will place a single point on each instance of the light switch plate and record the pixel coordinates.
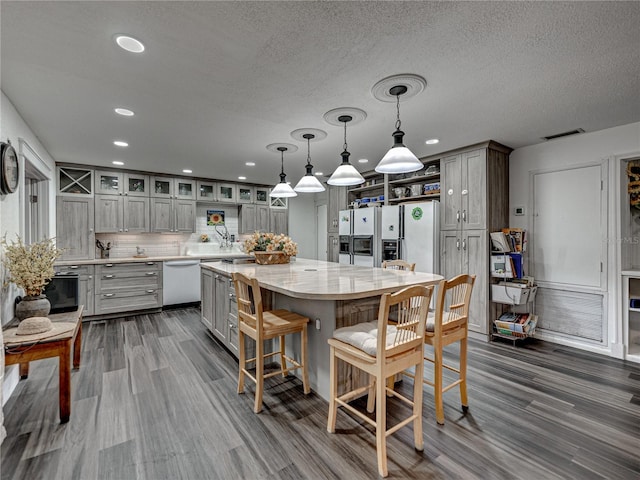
(518, 211)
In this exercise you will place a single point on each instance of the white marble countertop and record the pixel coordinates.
(102, 261)
(318, 280)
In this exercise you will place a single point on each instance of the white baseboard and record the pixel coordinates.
(9, 382)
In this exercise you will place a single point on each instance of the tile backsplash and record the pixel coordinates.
(169, 244)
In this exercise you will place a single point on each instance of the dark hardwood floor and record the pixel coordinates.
(155, 398)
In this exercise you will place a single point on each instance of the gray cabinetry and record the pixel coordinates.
(336, 201)
(167, 187)
(333, 248)
(121, 214)
(75, 227)
(207, 287)
(246, 218)
(172, 215)
(74, 181)
(220, 310)
(246, 193)
(85, 284)
(279, 220)
(474, 201)
(122, 287)
(253, 218)
(226, 193)
(206, 191)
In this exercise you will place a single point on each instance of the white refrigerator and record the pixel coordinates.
(420, 235)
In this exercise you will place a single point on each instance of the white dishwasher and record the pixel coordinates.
(180, 281)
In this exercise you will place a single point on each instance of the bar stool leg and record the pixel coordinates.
(463, 374)
(259, 376)
(242, 361)
(333, 390)
(417, 407)
(381, 425)
(283, 360)
(304, 354)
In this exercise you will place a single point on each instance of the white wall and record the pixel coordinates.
(573, 151)
(302, 224)
(13, 127)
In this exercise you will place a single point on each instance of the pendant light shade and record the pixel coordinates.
(309, 183)
(346, 174)
(399, 159)
(282, 189)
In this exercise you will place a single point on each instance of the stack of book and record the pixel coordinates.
(516, 324)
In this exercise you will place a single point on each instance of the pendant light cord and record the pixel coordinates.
(308, 150)
(281, 162)
(398, 123)
(345, 136)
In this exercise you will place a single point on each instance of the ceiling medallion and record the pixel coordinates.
(332, 117)
(414, 84)
(300, 133)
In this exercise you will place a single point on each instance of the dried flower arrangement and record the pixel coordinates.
(270, 242)
(30, 266)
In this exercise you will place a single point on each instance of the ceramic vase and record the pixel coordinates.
(33, 306)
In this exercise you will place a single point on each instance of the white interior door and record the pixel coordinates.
(570, 227)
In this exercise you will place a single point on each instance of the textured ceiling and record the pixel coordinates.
(221, 80)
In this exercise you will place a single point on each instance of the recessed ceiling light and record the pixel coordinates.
(432, 141)
(242, 178)
(129, 44)
(250, 164)
(124, 111)
(318, 174)
(186, 170)
(363, 160)
(117, 162)
(120, 143)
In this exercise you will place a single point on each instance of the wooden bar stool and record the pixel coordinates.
(398, 265)
(265, 325)
(383, 350)
(449, 324)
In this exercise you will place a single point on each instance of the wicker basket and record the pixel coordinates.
(271, 258)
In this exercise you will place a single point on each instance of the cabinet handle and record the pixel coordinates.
(126, 229)
(458, 216)
(151, 291)
(151, 263)
(108, 264)
(109, 276)
(458, 243)
(232, 326)
(465, 192)
(73, 267)
(464, 215)
(464, 244)
(231, 295)
(151, 273)
(109, 295)
(120, 230)
(217, 276)
(90, 277)
(126, 193)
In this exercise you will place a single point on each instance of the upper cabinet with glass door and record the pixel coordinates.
(167, 187)
(206, 191)
(120, 183)
(262, 195)
(245, 194)
(75, 181)
(227, 193)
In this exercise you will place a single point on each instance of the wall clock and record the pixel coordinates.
(9, 169)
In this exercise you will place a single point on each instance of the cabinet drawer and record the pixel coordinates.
(110, 282)
(81, 270)
(138, 299)
(128, 267)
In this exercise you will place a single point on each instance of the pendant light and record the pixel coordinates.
(345, 174)
(282, 189)
(309, 183)
(399, 159)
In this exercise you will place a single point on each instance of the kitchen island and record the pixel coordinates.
(332, 295)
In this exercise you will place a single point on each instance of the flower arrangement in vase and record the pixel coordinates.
(30, 268)
(269, 248)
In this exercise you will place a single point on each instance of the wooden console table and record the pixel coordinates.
(58, 346)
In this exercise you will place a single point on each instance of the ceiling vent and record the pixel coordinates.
(564, 134)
